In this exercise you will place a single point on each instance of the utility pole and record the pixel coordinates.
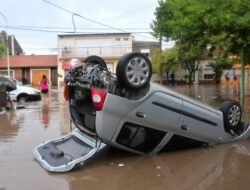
(242, 79)
(7, 45)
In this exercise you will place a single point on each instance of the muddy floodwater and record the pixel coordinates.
(221, 167)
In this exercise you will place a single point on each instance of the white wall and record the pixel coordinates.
(80, 46)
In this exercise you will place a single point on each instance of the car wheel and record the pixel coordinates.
(134, 70)
(232, 113)
(22, 98)
(95, 60)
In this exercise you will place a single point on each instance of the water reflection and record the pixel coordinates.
(9, 125)
(215, 168)
(214, 95)
(45, 114)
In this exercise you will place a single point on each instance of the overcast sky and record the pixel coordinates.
(24, 17)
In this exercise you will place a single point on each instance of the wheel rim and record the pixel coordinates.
(234, 115)
(137, 71)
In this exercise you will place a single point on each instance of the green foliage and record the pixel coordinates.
(223, 25)
(3, 41)
(180, 20)
(171, 62)
(228, 26)
(165, 61)
(159, 25)
(1, 49)
(156, 60)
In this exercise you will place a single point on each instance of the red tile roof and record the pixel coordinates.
(24, 61)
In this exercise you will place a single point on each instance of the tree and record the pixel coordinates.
(173, 21)
(218, 66)
(157, 59)
(165, 61)
(3, 41)
(1, 49)
(171, 62)
(223, 25)
(189, 57)
(229, 26)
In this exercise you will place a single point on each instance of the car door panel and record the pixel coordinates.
(155, 116)
(160, 111)
(201, 123)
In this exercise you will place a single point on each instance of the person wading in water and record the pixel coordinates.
(44, 86)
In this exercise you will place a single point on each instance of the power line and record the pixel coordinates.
(37, 30)
(69, 28)
(67, 32)
(88, 19)
(85, 18)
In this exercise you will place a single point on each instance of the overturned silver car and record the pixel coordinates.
(129, 112)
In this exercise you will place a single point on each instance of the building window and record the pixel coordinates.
(208, 76)
(5, 72)
(125, 39)
(117, 39)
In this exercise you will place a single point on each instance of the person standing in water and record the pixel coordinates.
(44, 86)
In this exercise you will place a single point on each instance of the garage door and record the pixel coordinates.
(37, 75)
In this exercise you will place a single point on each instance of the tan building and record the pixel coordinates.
(110, 46)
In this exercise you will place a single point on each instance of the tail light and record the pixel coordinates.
(98, 98)
(66, 92)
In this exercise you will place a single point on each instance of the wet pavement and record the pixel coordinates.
(222, 167)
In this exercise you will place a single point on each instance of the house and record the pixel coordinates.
(145, 47)
(14, 46)
(30, 68)
(110, 46)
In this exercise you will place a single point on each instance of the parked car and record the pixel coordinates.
(127, 111)
(22, 93)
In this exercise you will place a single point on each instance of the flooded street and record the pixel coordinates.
(222, 167)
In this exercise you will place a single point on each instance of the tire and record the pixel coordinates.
(232, 113)
(134, 71)
(95, 60)
(22, 98)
